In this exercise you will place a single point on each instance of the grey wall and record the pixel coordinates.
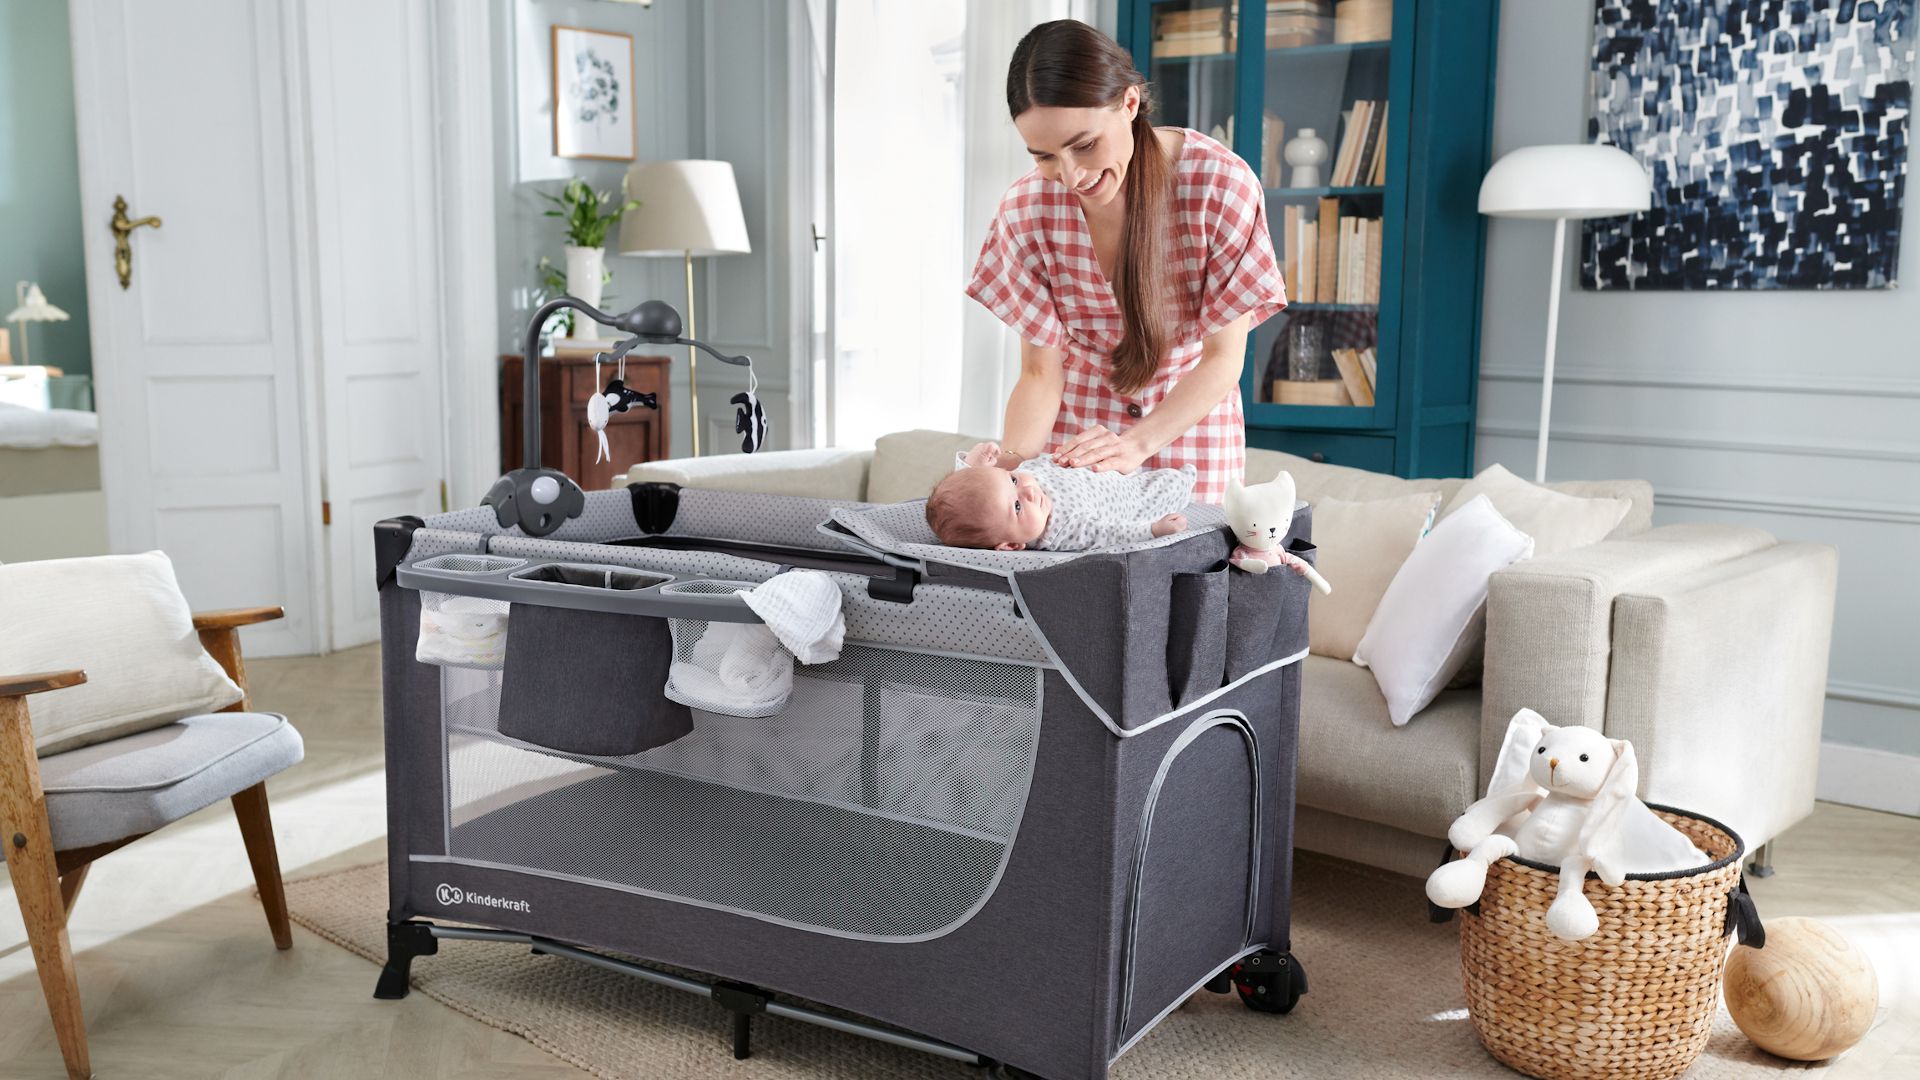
(711, 83)
(1796, 412)
(40, 179)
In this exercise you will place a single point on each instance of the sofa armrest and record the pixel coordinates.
(1719, 679)
(1550, 621)
(818, 474)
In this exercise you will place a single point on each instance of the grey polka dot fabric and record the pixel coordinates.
(783, 519)
(430, 542)
(901, 529)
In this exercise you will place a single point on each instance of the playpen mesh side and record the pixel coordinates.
(881, 802)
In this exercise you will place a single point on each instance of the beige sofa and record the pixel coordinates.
(1703, 644)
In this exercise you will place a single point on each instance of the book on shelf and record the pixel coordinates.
(1327, 258)
(1199, 45)
(1290, 250)
(1307, 257)
(1376, 231)
(1352, 145)
(1273, 138)
(1351, 377)
(1370, 368)
(1370, 143)
(1378, 177)
(1311, 392)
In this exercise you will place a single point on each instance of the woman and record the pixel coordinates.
(1132, 262)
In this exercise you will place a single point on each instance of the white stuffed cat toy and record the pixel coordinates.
(1259, 517)
(1563, 796)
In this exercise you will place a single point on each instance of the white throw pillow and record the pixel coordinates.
(1362, 545)
(122, 619)
(1556, 521)
(1434, 614)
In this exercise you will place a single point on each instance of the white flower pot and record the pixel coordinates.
(585, 270)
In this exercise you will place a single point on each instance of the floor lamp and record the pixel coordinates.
(1562, 183)
(687, 208)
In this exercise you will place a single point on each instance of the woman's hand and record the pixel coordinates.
(1099, 449)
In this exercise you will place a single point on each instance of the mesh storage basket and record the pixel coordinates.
(464, 631)
(736, 669)
(1635, 1001)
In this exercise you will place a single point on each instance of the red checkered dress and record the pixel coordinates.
(1037, 273)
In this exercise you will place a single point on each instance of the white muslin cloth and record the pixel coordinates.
(746, 669)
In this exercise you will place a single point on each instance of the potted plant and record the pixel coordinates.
(587, 221)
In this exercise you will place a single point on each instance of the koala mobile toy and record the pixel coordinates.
(1563, 796)
(1259, 517)
(540, 500)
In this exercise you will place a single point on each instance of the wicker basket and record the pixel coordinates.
(1635, 1001)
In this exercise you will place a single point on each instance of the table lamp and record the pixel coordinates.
(1561, 183)
(687, 208)
(33, 308)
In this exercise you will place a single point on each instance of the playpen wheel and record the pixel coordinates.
(1270, 982)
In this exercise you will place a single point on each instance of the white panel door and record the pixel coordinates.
(369, 75)
(181, 109)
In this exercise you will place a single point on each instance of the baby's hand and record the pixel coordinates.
(1172, 523)
(983, 455)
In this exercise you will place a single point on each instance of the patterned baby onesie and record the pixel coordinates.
(1104, 509)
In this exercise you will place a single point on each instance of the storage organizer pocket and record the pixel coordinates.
(736, 669)
(463, 631)
(589, 682)
(1196, 634)
(1262, 608)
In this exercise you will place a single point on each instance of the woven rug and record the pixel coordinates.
(1385, 1001)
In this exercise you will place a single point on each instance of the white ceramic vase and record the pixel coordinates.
(585, 271)
(1306, 152)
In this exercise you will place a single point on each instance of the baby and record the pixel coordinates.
(1042, 505)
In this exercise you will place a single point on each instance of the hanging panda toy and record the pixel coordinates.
(618, 397)
(749, 420)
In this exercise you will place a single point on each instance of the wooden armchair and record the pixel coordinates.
(122, 790)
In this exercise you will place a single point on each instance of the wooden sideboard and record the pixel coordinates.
(566, 442)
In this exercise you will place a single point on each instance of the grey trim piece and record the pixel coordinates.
(1006, 857)
(511, 584)
(1094, 706)
(856, 543)
(694, 986)
(61, 789)
(1180, 999)
(1225, 717)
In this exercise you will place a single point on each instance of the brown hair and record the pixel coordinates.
(1069, 64)
(951, 514)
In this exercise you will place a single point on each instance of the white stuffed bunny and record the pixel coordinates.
(1563, 796)
(1260, 517)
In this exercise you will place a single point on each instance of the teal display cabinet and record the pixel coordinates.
(1401, 290)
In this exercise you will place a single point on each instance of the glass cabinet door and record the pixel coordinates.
(1192, 64)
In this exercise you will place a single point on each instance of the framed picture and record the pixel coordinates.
(593, 113)
(1775, 135)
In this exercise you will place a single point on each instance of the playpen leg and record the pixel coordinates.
(742, 1036)
(405, 941)
(1762, 864)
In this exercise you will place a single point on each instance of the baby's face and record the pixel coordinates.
(1009, 505)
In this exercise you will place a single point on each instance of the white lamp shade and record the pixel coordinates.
(34, 308)
(685, 206)
(1580, 181)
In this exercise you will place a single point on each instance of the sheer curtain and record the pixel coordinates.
(923, 149)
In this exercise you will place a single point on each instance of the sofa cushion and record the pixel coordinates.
(1314, 480)
(813, 474)
(1362, 545)
(136, 784)
(1353, 761)
(123, 620)
(907, 464)
(1556, 520)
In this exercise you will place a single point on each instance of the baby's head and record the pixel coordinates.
(988, 508)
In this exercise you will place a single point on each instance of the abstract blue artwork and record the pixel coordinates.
(1776, 135)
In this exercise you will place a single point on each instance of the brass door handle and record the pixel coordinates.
(122, 228)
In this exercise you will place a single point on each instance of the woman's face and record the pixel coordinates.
(1087, 150)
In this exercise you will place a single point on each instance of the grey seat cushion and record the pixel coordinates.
(136, 784)
(1353, 761)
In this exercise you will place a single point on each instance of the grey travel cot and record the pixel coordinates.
(1038, 800)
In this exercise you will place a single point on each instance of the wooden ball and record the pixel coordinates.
(1808, 995)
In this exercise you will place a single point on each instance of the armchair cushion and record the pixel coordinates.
(122, 619)
(135, 784)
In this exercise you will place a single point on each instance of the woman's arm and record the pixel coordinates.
(1035, 401)
(1193, 397)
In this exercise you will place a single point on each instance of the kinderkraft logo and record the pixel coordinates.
(449, 896)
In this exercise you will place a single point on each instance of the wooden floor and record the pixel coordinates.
(180, 978)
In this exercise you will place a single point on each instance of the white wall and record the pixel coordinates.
(1796, 412)
(710, 83)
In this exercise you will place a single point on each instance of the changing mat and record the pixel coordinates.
(901, 530)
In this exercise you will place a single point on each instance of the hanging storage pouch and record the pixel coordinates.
(735, 669)
(463, 631)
